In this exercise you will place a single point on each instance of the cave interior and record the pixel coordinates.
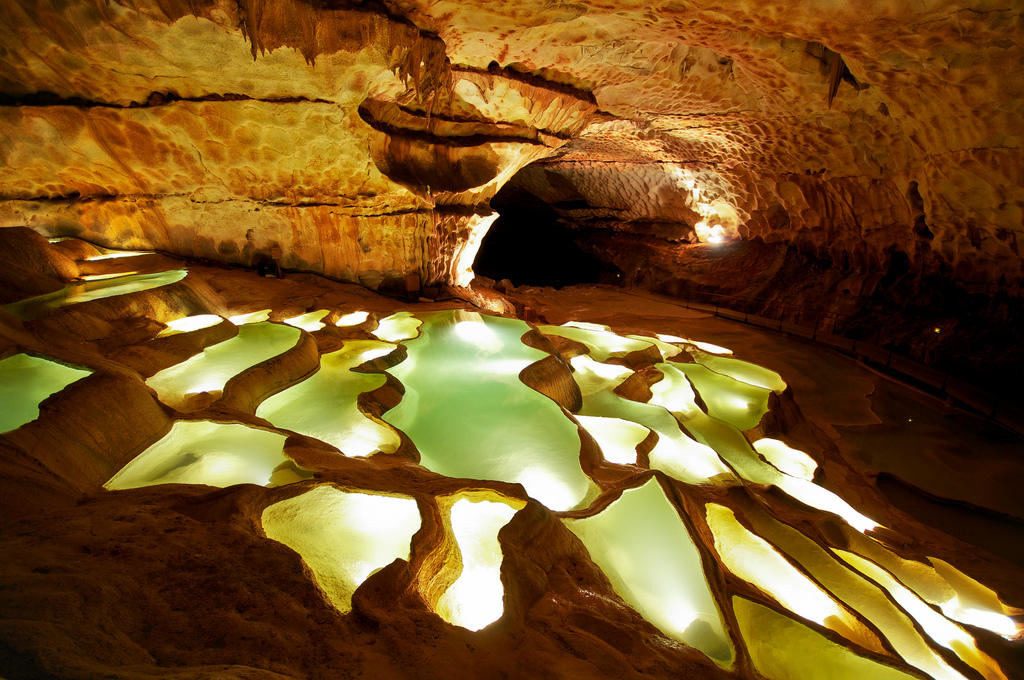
(421, 339)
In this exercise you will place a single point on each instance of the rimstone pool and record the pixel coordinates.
(651, 486)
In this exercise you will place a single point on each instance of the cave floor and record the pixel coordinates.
(179, 580)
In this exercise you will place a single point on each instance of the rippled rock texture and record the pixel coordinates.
(346, 134)
(206, 473)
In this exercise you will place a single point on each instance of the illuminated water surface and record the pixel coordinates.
(325, 405)
(470, 416)
(25, 381)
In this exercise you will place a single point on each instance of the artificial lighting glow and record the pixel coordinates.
(470, 327)
(548, 488)
(310, 321)
(116, 254)
(974, 603)
(960, 597)
(601, 341)
(706, 346)
(674, 453)
(397, 327)
(862, 595)
(674, 393)
(470, 416)
(738, 403)
(593, 375)
(326, 404)
(187, 324)
(462, 262)
(815, 496)
(981, 618)
(105, 277)
(617, 438)
(646, 552)
(215, 454)
(250, 317)
(790, 461)
(754, 560)
(111, 286)
(211, 369)
(722, 434)
(667, 349)
(783, 649)
(476, 599)
(352, 319)
(344, 537)
(25, 381)
(743, 371)
(938, 627)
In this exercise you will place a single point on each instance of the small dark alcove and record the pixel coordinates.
(528, 245)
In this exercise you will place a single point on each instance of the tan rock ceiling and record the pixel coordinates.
(184, 125)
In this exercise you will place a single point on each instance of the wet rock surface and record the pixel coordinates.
(180, 580)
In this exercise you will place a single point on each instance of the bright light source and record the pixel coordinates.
(462, 262)
(938, 627)
(646, 552)
(187, 324)
(788, 460)
(118, 254)
(709, 234)
(104, 277)
(250, 317)
(344, 537)
(352, 319)
(602, 342)
(754, 560)
(211, 369)
(470, 328)
(205, 452)
(310, 321)
(617, 438)
(975, 603)
(547, 487)
(326, 404)
(706, 346)
(476, 599)
(397, 327)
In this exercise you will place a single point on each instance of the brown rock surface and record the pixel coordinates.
(181, 581)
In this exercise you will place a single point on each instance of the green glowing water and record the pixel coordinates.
(324, 405)
(743, 371)
(25, 381)
(343, 537)
(216, 454)
(211, 369)
(737, 403)
(783, 649)
(674, 392)
(602, 342)
(41, 305)
(470, 416)
(674, 453)
(646, 552)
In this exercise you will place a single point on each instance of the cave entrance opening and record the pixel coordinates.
(530, 245)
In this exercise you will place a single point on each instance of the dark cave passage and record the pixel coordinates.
(529, 245)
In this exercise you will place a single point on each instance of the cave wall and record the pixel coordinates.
(356, 137)
(342, 136)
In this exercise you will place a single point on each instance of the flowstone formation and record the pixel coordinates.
(292, 478)
(365, 140)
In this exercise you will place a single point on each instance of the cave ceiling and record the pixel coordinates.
(366, 139)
